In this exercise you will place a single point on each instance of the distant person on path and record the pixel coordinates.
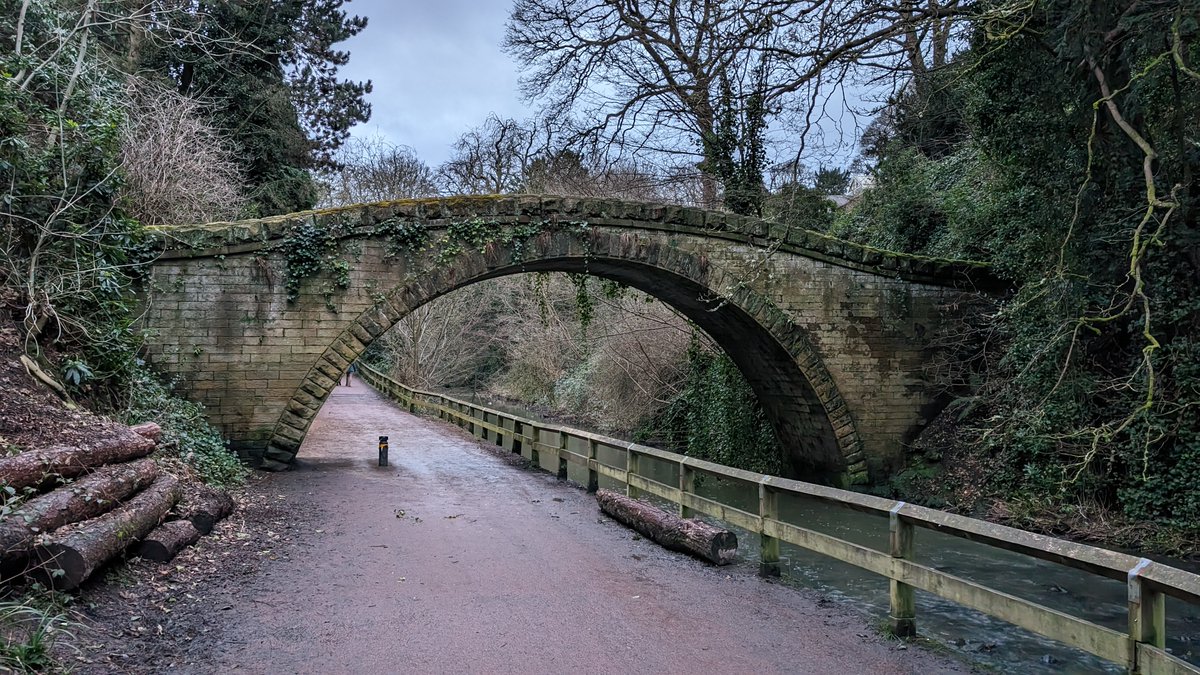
(350, 371)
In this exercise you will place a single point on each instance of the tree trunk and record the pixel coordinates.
(86, 498)
(167, 540)
(204, 507)
(65, 559)
(687, 536)
(35, 467)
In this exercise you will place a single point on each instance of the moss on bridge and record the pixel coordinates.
(224, 238)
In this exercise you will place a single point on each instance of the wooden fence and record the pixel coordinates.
(1141, 648)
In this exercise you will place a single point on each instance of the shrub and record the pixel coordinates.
(186, 432)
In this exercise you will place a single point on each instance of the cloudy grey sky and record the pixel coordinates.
(437, 68)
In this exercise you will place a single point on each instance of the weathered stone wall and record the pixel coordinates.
(875, 335)
(833, 337)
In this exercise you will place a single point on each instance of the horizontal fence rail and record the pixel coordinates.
(1142, 648)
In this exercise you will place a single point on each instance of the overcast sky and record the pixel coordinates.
(437, 69)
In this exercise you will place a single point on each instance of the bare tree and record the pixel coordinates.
(177, 167)
(375, 170)
(628, 362)
(443, 343)
(491, 158)
(567, 172)
(704, 78)
(638, 360)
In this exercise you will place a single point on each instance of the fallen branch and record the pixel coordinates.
(36, 371)
(694, 537)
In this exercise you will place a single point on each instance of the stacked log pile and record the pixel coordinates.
(83, 506)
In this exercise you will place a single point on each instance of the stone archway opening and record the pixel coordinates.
(773, 355)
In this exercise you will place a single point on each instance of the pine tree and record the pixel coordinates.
(270, 71)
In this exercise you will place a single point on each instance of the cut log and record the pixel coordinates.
(204, 507)
(35, 467)
(167, 540)
(690, 536)
(68, 557)
(147, 429)
(86, 498)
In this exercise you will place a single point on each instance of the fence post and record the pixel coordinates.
(534, 458)
(509, 424)
(562, 457)
(768, 509)
(631, 469)
(1147, 614)
(593, 475)
(687, 485)
(902, 602)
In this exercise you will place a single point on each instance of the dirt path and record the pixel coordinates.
(453, 560)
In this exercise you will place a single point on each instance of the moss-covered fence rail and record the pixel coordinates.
(1142, 648)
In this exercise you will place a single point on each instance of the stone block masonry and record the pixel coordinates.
(833, 337)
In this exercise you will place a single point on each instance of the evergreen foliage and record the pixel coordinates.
(1061, 146)
(68, 252)
(270, 69)
(716, 417)
(186, 433)
(735, 150)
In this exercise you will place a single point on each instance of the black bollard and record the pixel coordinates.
(383, 448)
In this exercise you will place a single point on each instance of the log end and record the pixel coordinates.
(205, 507)
(203, 522)
(148, 430)
(154, 551)
(59, 567)
(724, 550)
(167, 540)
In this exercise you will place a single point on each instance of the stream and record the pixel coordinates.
(983, 639)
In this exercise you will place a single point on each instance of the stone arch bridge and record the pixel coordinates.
(257, 319)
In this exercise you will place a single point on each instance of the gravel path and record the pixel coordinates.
(454, 560)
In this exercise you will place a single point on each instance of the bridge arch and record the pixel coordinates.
(798, 395)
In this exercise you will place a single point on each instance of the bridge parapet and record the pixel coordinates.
(360, 220)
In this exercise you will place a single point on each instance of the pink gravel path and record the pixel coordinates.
(452, 560)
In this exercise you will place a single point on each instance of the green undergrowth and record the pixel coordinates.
(33, 628)
(187, 435)
(716, 417)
